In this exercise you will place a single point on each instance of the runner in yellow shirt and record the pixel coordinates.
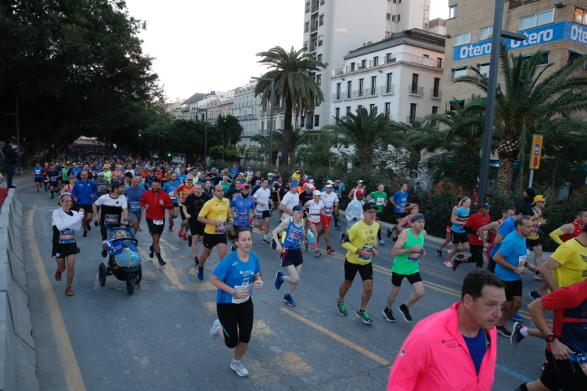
(215, 214)
(361, 244)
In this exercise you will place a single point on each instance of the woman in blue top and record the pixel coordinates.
(291, 252)
(234, 276)
(457, 230)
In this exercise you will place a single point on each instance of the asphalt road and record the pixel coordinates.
(157, 339)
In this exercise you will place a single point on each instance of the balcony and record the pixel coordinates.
(398, 58)
(314, 27)
(315, 5)
(387, 90)
(435, 94)
(337, 97)
(416, 91)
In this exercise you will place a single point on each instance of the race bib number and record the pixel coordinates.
(67, 236)
(366, 258)
(314, 218)
(135, 206)
(53, 179)
(522, 260)
(111, 219)
(158, 222)
(328, 211)
(220, 229)
(246, 297)
(380, 201)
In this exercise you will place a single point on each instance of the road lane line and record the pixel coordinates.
(72, 372)
(345, 341)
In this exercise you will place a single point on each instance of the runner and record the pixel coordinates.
(565, 366)
(191, 207)
(405, 222)
(448, 236)
(38, 176)
(290, 248)
(571, 230)
(511, 262)
(113, 211)
(533, 240)
(339, 189)
(330, 200)
(84, 193)
(455, 349)
(379, 197)
(289, 200)
(359, 187)
(233, 276)
(476, 238)
(133, 196)
(408, 250)
(183, 191)
(155, 201)
(45, 173)
(215, 214)
(459, 237)
(399, 199)
(361, 245)
(243, 210)
(53, 177)
(314, 209)
(170, 188)
(262, 198)
(65, 222)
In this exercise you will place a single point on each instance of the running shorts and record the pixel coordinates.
(155, 229)
(211, 240)
(513, 288)
(236, 321)
(292, 257)
(476, 255)
(265, 214)
(459, 237)
(562, 374)
(196, 228)
(351, 269)
(531, 243)
(396, 278)
(325, 221)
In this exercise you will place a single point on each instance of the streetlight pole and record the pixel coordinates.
(271, 114)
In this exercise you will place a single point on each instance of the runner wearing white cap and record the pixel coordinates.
(314, 209)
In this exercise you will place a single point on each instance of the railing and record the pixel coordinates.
(416, 91)
(387, 90)
(435, 94)
(396, 58)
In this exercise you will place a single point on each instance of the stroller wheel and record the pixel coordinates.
(139, 276)
(130, 286)
(102, 274)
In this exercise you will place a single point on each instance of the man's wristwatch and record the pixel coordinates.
(550, 338)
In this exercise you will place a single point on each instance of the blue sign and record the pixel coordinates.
(536, 36)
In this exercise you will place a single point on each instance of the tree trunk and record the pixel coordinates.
(286, 142)
(505, 175)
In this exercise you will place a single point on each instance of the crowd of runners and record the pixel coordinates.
(221, 208)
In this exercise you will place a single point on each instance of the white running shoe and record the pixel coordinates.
(239, 368)
(215, 329)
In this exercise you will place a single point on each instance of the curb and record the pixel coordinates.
(18, 364)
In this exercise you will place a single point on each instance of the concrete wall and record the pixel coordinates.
(18, 365)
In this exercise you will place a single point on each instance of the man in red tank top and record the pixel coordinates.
(571, 230)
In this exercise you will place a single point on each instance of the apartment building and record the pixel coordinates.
(247, 109)
(558, 27)
(406, 15)
(400, 76)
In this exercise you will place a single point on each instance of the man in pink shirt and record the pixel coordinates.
(454, 349)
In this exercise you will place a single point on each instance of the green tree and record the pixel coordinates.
(528, 98)
(365, 130)
(229, 130)
(292, 73)
(299, 137)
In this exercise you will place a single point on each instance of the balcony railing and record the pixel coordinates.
(406, 58)
(416, 91)
(387, 90)
(435, 94)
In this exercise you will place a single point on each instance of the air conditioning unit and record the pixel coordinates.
(559, 3)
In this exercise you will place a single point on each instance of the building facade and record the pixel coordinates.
(400, 76)
(559, 28)
(406, 15)
(247, 109)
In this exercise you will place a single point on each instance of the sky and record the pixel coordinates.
(211, 45)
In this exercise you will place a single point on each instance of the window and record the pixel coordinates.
(388, 16)
(485, 33)
(388, 85)
(458, 72)
(413, 107)
(483, 69)
(373, 84)
(316, 120)
(375, 61)
(307, 27)
(361, 84)
(461, 39)
(538, 19)
(352, 66)
(305, 45)
(319, 80)
(321, 20)
(388, 57)
(337, 113)
(438, 62)
(453, 11)
(307, 7)
(372, 107)
(414, 86)
(395, 18)
(580, 15)
(338, 87)
(543, 59)
(348, 110)
(349, 87)
(574, 56)
(436, 89)
(320, 41)
(387, 109)
(434, 109)
(319, 58)
(363, 64)
(456, 104)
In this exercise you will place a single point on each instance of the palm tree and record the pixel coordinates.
(294, 83)
(528, 98)
(299, 137)
(365, 130)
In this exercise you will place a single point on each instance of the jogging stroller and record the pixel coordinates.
(124, 260)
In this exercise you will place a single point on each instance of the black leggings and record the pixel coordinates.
(236, 321)
(476, 255)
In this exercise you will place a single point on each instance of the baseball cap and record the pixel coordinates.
(297, 208)
(329, 185)
(360, 181)
(316, 193)
(416, 217)
(539, 198)
(329, 182)
(486, 205)
(368, 206)
(309, 186)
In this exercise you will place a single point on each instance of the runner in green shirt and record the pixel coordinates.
(379, 197)
(407, 252)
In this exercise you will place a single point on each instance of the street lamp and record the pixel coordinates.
(491, 89)
(271, 112)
